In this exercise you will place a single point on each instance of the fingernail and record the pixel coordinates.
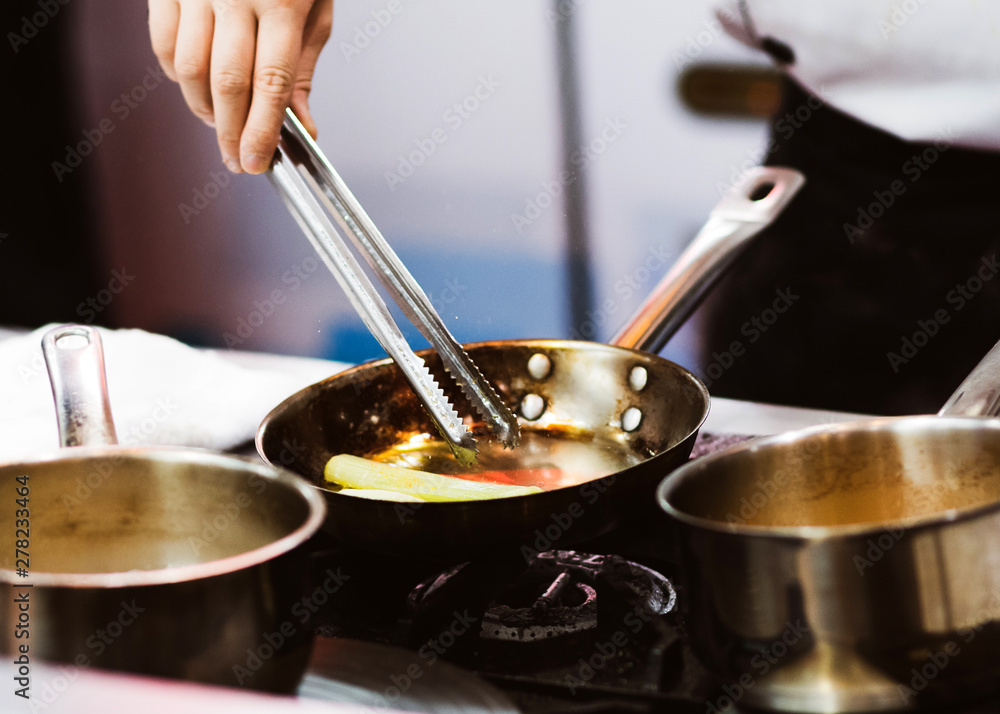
(254, 163)
(234, 165)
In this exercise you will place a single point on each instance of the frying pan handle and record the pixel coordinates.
(979, 393)
(744, 211)
(75, 360)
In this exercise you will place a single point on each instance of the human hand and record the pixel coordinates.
(240, 63)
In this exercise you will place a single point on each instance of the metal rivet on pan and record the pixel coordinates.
(637, 378)
(631, 419)
(532, 406)
(539, 366)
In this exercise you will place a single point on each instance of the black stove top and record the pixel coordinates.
(594, 629)
(565, 629)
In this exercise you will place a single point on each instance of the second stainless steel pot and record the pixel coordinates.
(848, 568)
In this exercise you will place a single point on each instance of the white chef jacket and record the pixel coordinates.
(924, 70)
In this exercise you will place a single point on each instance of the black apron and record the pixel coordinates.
(877, 290)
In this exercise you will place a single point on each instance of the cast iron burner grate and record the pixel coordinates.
(565, 607)
(572, 626)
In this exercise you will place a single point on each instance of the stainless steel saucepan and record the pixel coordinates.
(161, 561)
(852, 567)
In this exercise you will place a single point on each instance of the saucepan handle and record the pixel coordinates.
(744, 211)
(979, 393)
(75, 360)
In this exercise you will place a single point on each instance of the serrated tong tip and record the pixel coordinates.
(309, 184)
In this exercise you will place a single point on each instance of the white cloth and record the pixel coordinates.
(162, 392)
(924, 70)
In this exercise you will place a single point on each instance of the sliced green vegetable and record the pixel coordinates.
(353, 472)
(376, 494)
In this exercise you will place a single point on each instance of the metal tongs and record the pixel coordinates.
(309, 184)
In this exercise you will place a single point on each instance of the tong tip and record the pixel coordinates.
(508, 433)
(463, 446)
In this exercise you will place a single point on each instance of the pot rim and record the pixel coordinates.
(183, 573)
(303, 395)
(816, 534)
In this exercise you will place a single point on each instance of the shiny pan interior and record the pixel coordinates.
(624, 417)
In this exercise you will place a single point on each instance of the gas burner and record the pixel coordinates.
(564, 607)
(654, 592)
(555, 595)
(563, 585)
(568, 625)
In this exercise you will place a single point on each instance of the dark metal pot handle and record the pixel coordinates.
(75, 360)
(979, 393)
(748, 208)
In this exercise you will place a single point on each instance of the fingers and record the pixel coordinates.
(164, 16)
(233, 50)
(279, 46)
(317, 32)
(192, 56)
(240, 64)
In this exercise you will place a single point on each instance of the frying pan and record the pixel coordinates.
(616, 418)
(851, 567)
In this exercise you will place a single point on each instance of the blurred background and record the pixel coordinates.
(118, 211)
